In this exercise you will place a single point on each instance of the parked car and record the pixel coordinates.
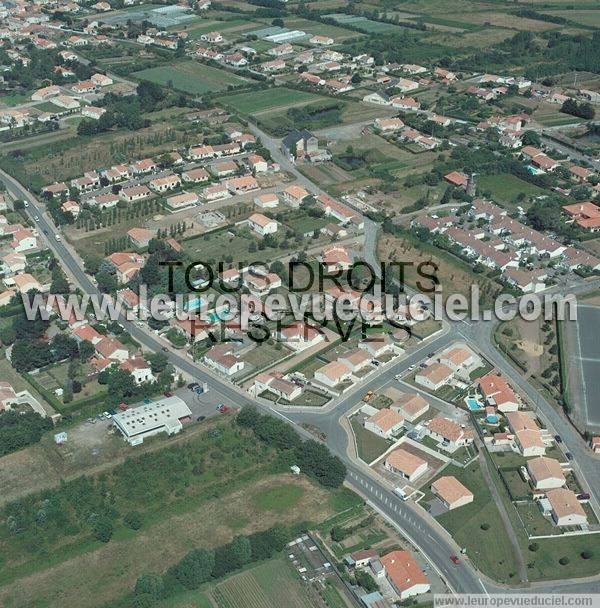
(192, 385)
(168, 394)
(569, 455)
(558, 438)
(222, 408)
(454, 559)
(200, 418)
(583, 496)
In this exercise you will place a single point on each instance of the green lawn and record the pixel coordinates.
(490, 550)
(369, 445)
(269, 99)
(278, 499)
(506, 187)
(544, 563)
(190, 77)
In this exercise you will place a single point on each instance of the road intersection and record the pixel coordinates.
(414, 522)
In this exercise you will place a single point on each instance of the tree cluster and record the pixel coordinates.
(18, 430)
(312, 457)
(202, 565)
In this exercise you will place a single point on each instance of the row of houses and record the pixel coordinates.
(504, 243)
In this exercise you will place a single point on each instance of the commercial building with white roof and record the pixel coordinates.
(163, 416)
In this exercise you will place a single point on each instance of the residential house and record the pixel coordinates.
(299, 336)
(498, 393)
(140, 237)
(434, 376)
(134, 193)
(110, 348)
(86, 333)
(139, 368)
(356, 359)
(223, 359)
(294, 195)
(565, 509)
(300, 145)
(406, 464)
(23, 240)
(275, 383)
(182, 201)
(458, 179)
(451, 492)
(528, 436)
(333, 373)
(404, 574)
(261, 224)
(449, 433)
(457, 358)
(321, 40)
(267, 201)
(586, 215)
(195, 176)
(388, 125)
(257, 163)
(410, 406)
(546, 473)
(386, 423)
(168, 182)
(335, 258)
(240, 185)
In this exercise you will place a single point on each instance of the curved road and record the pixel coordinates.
(426, 534)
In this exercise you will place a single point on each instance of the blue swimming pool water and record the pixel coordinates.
(492, 419)
(473, 405)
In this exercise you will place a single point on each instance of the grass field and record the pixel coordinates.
(278, 499)
(190, 77)
(505, 188)
(263, 587)
(269, 99)
(234, 27)
(489, 549)
(368, 445)
(590, 18)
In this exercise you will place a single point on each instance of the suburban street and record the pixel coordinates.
(424, 531)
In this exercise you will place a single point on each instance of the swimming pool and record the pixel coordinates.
(473, 404)
(492, 419)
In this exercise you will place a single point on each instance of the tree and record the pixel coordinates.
(531, 138)
(195, 568)
(20, 430)
(59, 284)
(365, 580)
(231, 556)
(318, 462)
(28, 355)
(133, 520)
(103, 529)
(152, 584)
(86, 350)
(64, 347)
(107, 282)
(158, 362)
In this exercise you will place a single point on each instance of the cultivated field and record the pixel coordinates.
(190, 77)
(263, 587)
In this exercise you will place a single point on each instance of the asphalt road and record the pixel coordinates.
(435, 543)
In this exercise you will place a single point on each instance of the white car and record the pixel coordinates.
(37, 218)
(25, 204)
(57, 237)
